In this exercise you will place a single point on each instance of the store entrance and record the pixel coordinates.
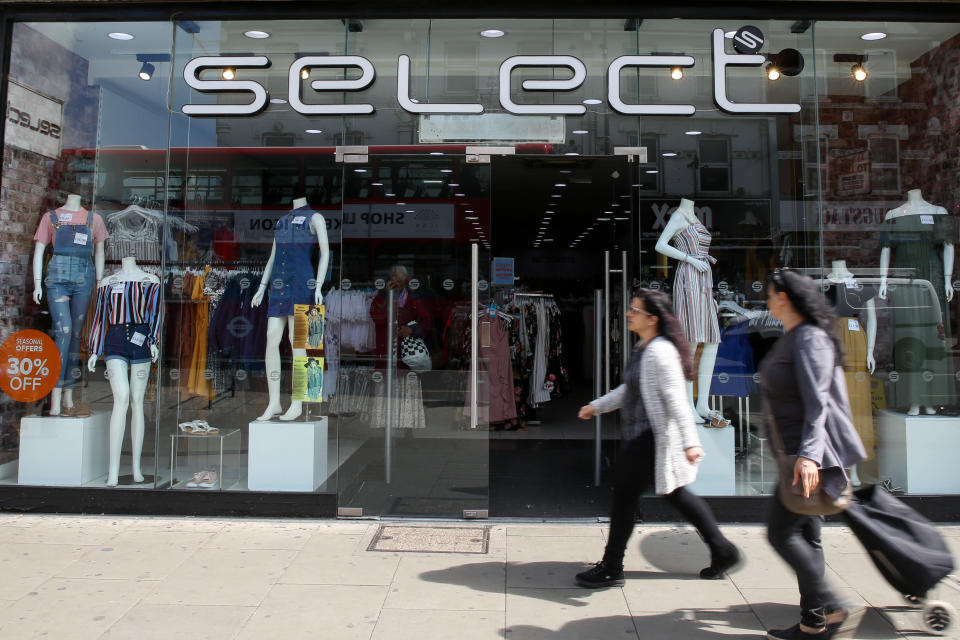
(561, 241)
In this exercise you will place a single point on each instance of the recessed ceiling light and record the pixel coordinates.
(401, 204)
(669, 154)
(556, 195)
(409, 211)
(693, 133)
(459, 195)
(564, 170)
(436, 153)
(389, 195)
(120, 35)
(548, 239)
(603, 219)
(549, 212)
(446, 170)
(317, 131)
(278, 101)
(256, 35)
(636, 185)
(579, 132)
(592, 101)
(433, 182)
(621, 218)
(560, 184)
(471, 217)
(606, 212)
(652, 171)
(571, 154)
(469, 211)
(359, 170)
(376, 184)
(492, 33)
(453, 184)
(874, 35)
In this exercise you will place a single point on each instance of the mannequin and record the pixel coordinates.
(853, 301)
(915, 230)
(294, 236)
(126, 332)
(77, 236)
(693, 295)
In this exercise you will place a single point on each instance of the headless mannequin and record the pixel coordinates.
(915, 206)
(680, 220)
(840, 275)
(60, 395)
(128, 387)
(318, 227)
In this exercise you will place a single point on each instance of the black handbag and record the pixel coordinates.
(820, 503)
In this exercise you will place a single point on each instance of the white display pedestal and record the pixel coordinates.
(717, 473)
(57, 451)
(287, 456)
(919, 453)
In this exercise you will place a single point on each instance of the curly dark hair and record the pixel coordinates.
(659, 304)
(808, 301)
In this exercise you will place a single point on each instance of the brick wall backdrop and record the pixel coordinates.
(31, 185)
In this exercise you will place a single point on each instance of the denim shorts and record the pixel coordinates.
(118, 346)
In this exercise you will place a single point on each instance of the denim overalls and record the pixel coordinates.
(292, 268)
(70, 280)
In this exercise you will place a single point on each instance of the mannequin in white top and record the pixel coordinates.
(916, 206)
(60, 395)
(275, 325)
(128, 388)
(683, 217)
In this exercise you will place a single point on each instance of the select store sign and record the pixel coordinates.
(746, 39)
(34, 121)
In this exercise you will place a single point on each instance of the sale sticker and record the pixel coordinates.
(29, 365)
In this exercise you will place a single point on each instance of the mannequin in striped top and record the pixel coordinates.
(687, 240)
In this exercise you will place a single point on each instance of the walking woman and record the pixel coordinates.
(660, 443)
(805, 393)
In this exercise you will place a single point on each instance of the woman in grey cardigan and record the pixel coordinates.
(660, 445)
(805, 391)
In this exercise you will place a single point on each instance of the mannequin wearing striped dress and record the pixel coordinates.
(687, 240)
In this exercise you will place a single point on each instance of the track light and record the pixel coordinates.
(773, 73)
(229, 73)
(676, 73)
(859, 72)
(146, 71)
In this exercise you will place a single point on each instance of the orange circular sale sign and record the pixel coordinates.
(29, 365)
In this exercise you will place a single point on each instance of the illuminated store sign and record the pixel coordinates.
(721, 60)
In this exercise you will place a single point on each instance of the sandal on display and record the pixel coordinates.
(717, 421)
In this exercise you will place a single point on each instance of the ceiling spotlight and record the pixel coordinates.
(859, 72)
(256, 35)
(229, 73)
(305, 74)
(652, 171)
(314, 131)
(669, 154)
(146, 71)
(773, 73)
(492, 33)
(676, 73)
(874, 35)
(580, 132)
(120, 35)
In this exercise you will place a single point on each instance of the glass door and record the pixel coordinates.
(412, 401)
(564, 228)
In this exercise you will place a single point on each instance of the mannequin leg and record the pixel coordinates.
(139, 376)
(271, 359)
(854, 477)
(708, 358)
(296, 407)
(693, 404)
(55, 401)
(62, 333)
(68, 398)
(120, 387)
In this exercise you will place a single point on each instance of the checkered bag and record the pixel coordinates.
(414, 354)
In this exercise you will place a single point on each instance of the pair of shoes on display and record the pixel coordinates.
(720, 563)
(198, 428)
(79, 410)
(715, 420)
(600, 576)
(206, 479)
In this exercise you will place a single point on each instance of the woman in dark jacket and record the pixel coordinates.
(806, 394)
(660, 444)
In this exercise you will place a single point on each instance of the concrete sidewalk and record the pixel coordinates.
(170, 578)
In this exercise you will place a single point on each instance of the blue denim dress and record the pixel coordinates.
(70, 280)
(293, 271)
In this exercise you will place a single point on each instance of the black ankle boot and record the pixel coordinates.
(721, 562)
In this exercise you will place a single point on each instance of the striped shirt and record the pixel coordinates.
(122, 303)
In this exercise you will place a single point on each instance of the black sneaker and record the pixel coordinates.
(796, 633)
(720, 564)
(602, 575)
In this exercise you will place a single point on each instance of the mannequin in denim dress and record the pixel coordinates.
(74, 270)
(290, 280)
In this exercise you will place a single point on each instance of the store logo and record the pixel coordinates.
(747, 41)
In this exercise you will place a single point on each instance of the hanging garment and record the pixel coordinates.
(849, 299)
(692, 289)
(407, 403)
(920, 322)
(134, 235)
(496, 402)
(293, 270)
(734, 371)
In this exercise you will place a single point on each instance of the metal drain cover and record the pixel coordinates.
(419, 539)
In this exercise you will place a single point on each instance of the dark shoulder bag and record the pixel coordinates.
(820, 503)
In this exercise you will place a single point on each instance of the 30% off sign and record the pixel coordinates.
(29, 365)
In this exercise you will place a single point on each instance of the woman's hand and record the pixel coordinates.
(587, 411)
(694, 454)
(806, 472)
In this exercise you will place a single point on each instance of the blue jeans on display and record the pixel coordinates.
(70, 282)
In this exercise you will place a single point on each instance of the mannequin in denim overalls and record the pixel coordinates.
(289, 278)
(73, 271)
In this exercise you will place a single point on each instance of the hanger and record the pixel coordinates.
(134, 209)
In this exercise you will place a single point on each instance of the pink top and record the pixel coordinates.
(45, 231)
